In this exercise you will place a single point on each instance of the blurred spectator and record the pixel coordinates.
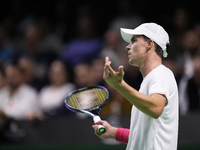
(193, 87)
(30, 74)
(191, 43)
(51, 97)
(181, 23)
(36, 55)
(190, 95)
(17, 100)
(113, 47)
(83, 76)
(31, 51)
(47, 41)
(86, 46)
(97, 67)
(27, 67)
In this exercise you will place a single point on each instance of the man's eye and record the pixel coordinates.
(133, 41)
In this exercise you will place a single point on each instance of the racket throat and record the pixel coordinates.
(95, 112)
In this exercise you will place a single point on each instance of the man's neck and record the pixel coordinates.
(149, 64)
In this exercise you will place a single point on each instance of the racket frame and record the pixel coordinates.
(89, 110)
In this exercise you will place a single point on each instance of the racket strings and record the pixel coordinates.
(87, 99)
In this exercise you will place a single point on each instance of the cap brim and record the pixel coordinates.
(127, 34)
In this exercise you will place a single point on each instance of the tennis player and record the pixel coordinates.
(154, 116)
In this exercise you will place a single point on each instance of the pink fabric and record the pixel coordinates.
(121, 135)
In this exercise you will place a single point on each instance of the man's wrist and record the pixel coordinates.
(122, 135)
(119, 85)
(113, 132)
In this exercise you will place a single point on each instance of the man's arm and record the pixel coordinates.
(150, 105)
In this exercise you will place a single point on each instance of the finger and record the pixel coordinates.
(105, 73)
(121, 71)
(110, 70)
(95, 127)
(107, 61)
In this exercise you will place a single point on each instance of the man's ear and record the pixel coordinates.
(150, 44)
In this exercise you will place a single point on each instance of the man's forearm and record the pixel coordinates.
(147, 104)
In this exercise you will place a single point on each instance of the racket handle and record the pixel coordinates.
(101, 129)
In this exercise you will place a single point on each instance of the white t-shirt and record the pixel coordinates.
(147, 133)
(52, 97)
(22, 103)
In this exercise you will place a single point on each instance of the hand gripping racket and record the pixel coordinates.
(88, 100)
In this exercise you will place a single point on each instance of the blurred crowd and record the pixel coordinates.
(41, 60)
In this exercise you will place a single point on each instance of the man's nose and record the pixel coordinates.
(128, 47)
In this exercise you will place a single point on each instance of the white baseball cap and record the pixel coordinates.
(150, 30)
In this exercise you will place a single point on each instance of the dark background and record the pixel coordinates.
(103, 10)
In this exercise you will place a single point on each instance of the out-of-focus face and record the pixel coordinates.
(33, 38)
(136, 50)
(57, 73)
(191, 41)
(83, 75)
(112, 39)
(97, 70)
(28, 73)
(13, 76)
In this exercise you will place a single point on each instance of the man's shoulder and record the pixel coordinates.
(161, 73)
(161, 69)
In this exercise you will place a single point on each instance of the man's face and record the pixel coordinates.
(137, 50)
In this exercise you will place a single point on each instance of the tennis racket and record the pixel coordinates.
(88, 100)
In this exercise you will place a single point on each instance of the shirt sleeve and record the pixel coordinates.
(159, 83)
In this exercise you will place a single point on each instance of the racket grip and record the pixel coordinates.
(101, 129)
